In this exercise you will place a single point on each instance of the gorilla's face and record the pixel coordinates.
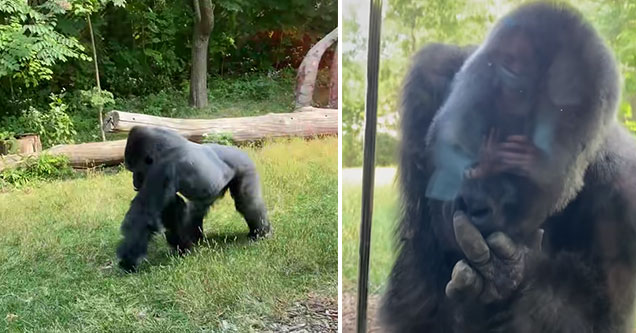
(138, 157)
(139, 166)
(503, 202)
(515, 86)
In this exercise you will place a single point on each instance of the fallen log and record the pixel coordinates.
(306, 122)
(81, 156)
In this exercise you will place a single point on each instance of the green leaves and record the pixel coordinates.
(97, 98)
(29, 43)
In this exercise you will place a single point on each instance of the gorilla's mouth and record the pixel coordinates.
(481, 215)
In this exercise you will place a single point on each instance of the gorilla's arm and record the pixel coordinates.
(144, 218)
(418, 266)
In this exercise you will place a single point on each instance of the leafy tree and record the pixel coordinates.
(30, 44)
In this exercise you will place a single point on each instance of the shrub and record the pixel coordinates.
(44, 167)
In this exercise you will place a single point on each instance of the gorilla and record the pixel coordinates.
(177, 181)
(519, 203)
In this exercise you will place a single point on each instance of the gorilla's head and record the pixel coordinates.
(144, 147)
(544, 74)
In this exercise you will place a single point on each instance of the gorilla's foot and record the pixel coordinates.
(264, 231)
(127, 266)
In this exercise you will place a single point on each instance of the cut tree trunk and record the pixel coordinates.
(203, 25)
(310, 122)
(306, 123)
(29, 143)
(333, 81)
(308, 70)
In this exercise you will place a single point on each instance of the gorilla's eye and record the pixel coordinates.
(148, 160)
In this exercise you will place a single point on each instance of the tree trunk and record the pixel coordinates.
(306, 78)
(203, 25)
(333, 81)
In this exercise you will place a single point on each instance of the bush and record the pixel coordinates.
(386, 147)
(44, 167)
(53, 126)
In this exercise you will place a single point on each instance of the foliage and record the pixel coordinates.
(44, 167)
(143, 49)
(30, 44)
(386, 148)
(97, 98)
(219, 138)
(8, 143)
(54, 126)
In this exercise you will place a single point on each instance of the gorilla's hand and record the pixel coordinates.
(493, 268)
(516, 155)
(519, 155)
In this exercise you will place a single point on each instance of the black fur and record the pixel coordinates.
(168, 168)
(583, 278)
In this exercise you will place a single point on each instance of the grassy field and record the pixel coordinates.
(385, 212)
(59, 273)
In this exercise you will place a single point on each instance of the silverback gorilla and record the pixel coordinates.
(543, 238)
(167, 168)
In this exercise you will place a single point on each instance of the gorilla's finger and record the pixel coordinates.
(537, 240)
(470, 240)
(510, 157)
(502, 246)
(515, 147)
(518, 138)
(464, 283)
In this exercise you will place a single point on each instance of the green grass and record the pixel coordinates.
(58, 240)
(385, 213)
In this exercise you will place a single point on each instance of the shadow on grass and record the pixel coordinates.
(224, 240)
(162, 254)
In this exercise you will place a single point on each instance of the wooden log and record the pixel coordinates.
(308, 69)
(81, 156)
(306, 122)
(92, 154)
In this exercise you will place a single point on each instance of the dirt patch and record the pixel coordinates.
(316, 314)
(349, 304)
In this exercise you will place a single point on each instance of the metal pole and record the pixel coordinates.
(368, 168)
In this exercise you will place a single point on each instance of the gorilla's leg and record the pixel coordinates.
(184, 223)
(172, 217)
(194, 226)
(246, 192)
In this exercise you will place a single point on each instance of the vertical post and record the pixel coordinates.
(99, 85)
(368, 168)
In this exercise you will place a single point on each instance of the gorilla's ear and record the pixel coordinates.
(566, 84)
(148, 160)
